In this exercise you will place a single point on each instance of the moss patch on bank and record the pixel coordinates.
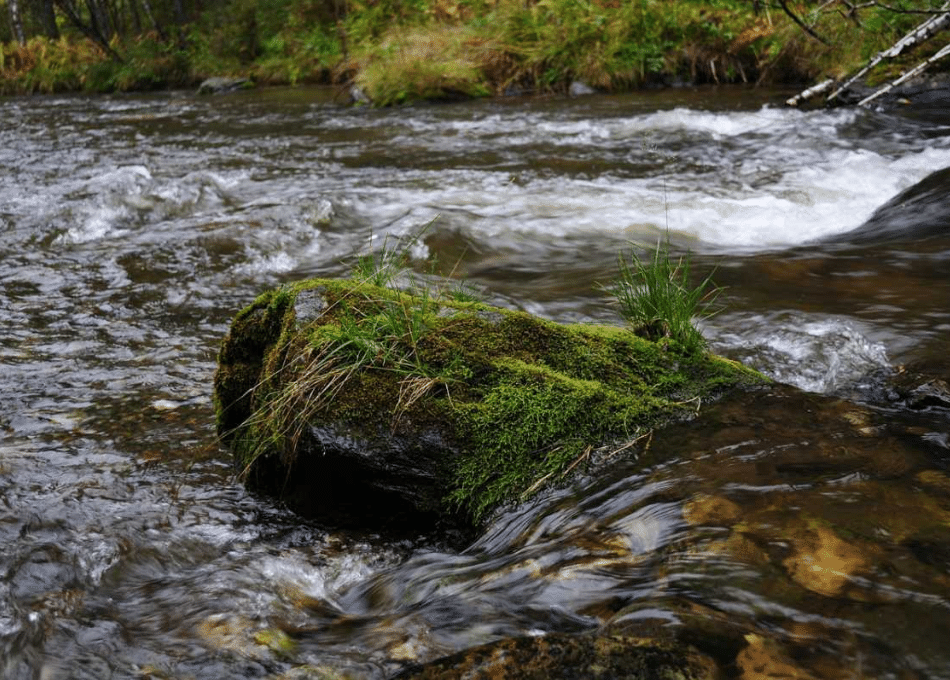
(522, 399)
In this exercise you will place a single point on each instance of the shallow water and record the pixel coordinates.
(134, 227)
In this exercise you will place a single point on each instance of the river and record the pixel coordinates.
(808, 527)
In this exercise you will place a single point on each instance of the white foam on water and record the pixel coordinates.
(273, 263)
(766, 120)
(101, 222)
(108, 208)
(809, 202)
(814, 354)
(798, 177)
(108, 205)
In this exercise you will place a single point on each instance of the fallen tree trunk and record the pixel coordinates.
(811, 92)
(917, 70)
(924, 32)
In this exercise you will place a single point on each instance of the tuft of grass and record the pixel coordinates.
(392, 261)
(47, 66)
(463, 292)
(382, 331)
(658, 300)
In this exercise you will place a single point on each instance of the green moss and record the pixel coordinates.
(559, 655)
(521, 397)
(530, 424)
(240, 363)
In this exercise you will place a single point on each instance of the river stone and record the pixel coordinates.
(921, 392)
(580, 89)
(764, 658)
(920, 212)
(358, 96)
(823, 562)
(360, 404)
(220, 85)
(309, 305)
(556, 656)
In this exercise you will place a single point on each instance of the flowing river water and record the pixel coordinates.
(804, 529)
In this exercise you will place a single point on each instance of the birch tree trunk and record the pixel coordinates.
(16, 21)
(923, 32)
(917, 70)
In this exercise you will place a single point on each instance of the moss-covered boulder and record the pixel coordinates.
(350, 400)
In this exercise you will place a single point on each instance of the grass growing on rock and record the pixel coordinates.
(657, 297)
(524, 399)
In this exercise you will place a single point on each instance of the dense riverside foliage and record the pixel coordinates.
(400, 50)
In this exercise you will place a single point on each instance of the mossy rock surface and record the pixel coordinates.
(347, 399)
(571, 656)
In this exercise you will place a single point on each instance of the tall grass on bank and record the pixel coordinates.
(65, 65)
(46, 66)
(402, 50)
(658, 299)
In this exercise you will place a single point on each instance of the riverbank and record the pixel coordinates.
(392, 52)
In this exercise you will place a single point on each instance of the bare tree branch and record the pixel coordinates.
(147, 7)
(801, 24)
(901, 10)
(90, 31)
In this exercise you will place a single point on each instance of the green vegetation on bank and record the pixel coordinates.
(402, 50)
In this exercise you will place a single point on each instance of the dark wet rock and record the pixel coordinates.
(933, 551)
(922, 392)
(355, 403)
(516, 91)
(580, 89)
(916, 387)
(932, 91)
(556, 656)
(918, 213)
(920, 93)
(219, 85)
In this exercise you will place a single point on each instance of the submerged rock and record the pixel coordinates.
(360, 404)
(569, 657)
